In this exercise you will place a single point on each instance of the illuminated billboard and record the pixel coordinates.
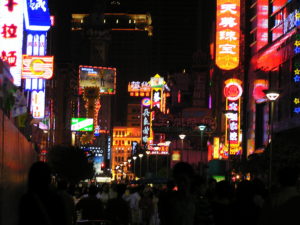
(233, 91)
(38, 104)
(11, 36)
(37, 15)
(228, 34)
(102, 77)
(37, 67)
(82, 124)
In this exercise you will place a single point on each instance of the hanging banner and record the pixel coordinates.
(11, 36)
(228, 34)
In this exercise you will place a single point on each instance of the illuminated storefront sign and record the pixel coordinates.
(146, 131)
(11, 36)
(108, 147)
(146, 102)
(216, 148)
(137, 88)
(228, 34)
(38, 104)
(37, 67)
(82, 124)
(102, 77)
(233, 92)
(258, 87)
(157, 81)
(262, 23)
(37, 15)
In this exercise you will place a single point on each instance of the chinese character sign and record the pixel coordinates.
(228, 34)
(11, 36)
(145, 123)
(233, 92)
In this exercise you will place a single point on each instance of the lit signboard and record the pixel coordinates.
(102, 77)
(145, 123)
(137, 88)
(228, 34)
(82, 124)
(37, 67)
(37, 15)
(258, 88)
(157, 81)
(146, 102)
(11, 36)
(38, 104)
(216, 148)
(233, 92)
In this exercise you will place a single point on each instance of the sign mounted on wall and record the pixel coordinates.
(37, 15)
(37, 67)
(11, 36)
(228, 34)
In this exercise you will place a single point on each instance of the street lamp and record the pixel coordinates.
(168, 145)
(134, 158)
(147, 154)
(156, 148)
(272, 96)
(182, 137)
(141, 156)
(202, 128)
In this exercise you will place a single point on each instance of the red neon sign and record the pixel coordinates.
(228, 34)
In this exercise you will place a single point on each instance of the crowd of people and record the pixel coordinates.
(187, 199)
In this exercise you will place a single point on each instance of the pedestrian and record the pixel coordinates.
(41, 204)
(91, 207)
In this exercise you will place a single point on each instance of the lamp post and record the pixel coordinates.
(272, 96)
(147, 154)
(156, 148)
(168, 144)
(129, 161)
(182, 137)
(202, 128)
(134, 158)
(141, 156)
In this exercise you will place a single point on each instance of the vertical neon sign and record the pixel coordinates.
(233, 91)
(145, 123)
(11, 36)
(228, 34)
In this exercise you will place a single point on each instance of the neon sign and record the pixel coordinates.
(228, 34)
(146, 131)
(233, 122)
(37, 15)
(38, 104)
(37, 67)
(11, 36)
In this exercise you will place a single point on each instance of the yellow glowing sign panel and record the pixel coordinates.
(216, 153)
(228, 34)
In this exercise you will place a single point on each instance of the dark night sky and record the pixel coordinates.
(181, 28)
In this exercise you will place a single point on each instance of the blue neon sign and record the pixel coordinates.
(37, 15)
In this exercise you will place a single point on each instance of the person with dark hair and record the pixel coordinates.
(91, 207)
(118, 211)
(41, 205)
(180, 203)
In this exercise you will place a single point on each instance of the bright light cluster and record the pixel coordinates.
(228, 34)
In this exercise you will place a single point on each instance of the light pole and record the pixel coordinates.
(141, 156)
(156, 148)
(182, 137)
(202, 128)
(168, 145)
(272, 97)
(134, 158)
(147, 154)
(129, 161)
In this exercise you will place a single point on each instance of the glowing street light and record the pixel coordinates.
(272, 96)
(182, 137)
(141, 156)
(134, 158)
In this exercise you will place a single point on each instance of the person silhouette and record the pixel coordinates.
(41, 204)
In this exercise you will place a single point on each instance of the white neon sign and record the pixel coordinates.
(11, 36)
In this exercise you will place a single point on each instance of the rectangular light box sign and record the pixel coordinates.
(82, 124)
(37, 67)
(102, 77)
